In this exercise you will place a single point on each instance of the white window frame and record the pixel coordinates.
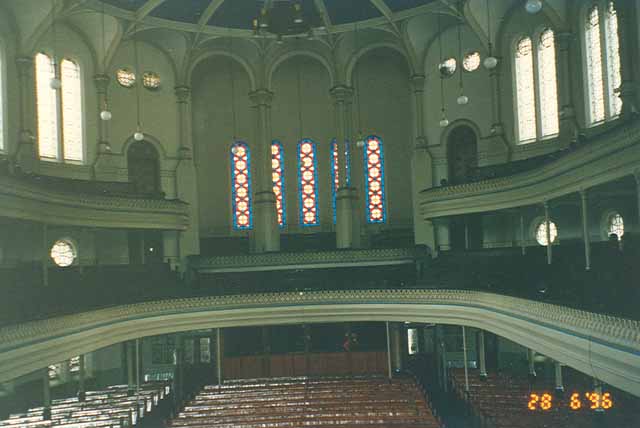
(535, 43)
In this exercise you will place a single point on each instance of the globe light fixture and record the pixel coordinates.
(490, 62)
(138, 135)
(55, 83)
(533, 6)
(105, 115)
(462, 100)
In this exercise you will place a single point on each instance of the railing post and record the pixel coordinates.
(585, 229)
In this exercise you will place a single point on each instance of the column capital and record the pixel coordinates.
(564, 39)
(421, 143)
(182, 93)
(102, 82)
(341, 93)
(417, 82)
(261, 97)
(25, 64)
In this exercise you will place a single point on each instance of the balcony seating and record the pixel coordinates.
(362, 402)
(501, 402)
(111, 407)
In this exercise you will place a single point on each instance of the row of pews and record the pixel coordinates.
(363, 402)
(113, 407)
(502, 401)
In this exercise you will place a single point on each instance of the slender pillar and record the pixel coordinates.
(497, 127)
(137, 349)
(131, 380)
(179, 369)
(523, 244)
(27, 150)
(396, 347)
(531, 354)
(585, 229)
(219, 355)
(186, 183)
(347, 234)
(558, 376)
(389, 365)
(465, 362)
(548, 224)
(482, 357)
(627, 15)
(81, 378)
(101, 82)
(45, 256)
(568, 125)
(636, 176)
(266, 231)
(46, 394)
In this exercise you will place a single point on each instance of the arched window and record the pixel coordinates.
(241, 186)
(63, 253)
(277, 175)
(335, 174)
(308, 183)
(541, 233)
(615, 225)
(536, 87)
(47, 107)
(374, 180)
(602, 61)
(59, 113)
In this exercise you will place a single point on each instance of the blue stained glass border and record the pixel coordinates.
(233, 187)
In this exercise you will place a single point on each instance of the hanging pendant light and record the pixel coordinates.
(533, 6)
(490, 62)
(360, 137)
(462, 98)
(55, 83)
(444, 122)
(232, 79)
(138, 135)
(105, 113)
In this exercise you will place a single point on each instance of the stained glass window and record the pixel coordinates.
(613, 61)
(335, 178)
(374, 180)
(47, 107)
(471, 61)
(547, 78)
(541, 232)
(277, 175)
(525, 92)
(241, 186)
(126, 77)
(308, 183)
(616, 225)
(151, 80)
(62, 253)
(594, 66)
(72, 128)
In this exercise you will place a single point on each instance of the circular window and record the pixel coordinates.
(471, 61)
(126, 77)
(62, 253)
(151, 80)
(447, 67)
(615, 225)
(541, 233)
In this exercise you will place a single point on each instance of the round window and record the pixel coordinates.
(151, 80)
(62, 253)
(541, 233)
(126, 77)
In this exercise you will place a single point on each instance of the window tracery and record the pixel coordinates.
(277, 176)
(241, 186)
(307, 182)
(374, 180)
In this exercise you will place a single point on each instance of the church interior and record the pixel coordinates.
(319, 213)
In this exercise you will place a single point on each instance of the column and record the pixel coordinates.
(636, 175)
(531, 354)
(523, 244)
(131, 379)
(266, 351)
(179, 384)
(465, 362)
(396, 346)
(81, 377)
(45, 256)
(347, 234)
(26, 153)
(219, 354)
(389, 363)
(568, 125)
(628, 38)
(548, 223)
(46, 394)
(585, 229)
(558, 376)
(266, 232)
(186, 179)
(482, 357)
(421, 166)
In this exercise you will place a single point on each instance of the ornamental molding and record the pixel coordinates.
(612, 155)
(28, 201)
(603, 346)
(308, 260)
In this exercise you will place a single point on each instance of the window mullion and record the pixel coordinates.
(535, 44)
(58, 94)
(602, 17)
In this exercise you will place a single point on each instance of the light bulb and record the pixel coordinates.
(105, 115)
(55, 83)
(533, 6)
(444, 122)
(462, 100)
(490, 62)
(138, 136)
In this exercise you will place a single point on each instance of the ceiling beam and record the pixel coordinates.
(324, 14)
(147, 8)
(384, 9)
(208, 12)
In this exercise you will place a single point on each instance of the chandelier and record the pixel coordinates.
(282, 18)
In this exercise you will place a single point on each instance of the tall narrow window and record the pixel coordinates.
(549, 121)
(374, 180)
(71, 110)
(308, 183)
(525, 91)
(241, 186)
(47, 107)
(335, 178)
(277, 176)
(602, 48)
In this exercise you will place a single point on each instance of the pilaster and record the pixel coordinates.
(497, 136)
(26, 153)
(568, 124)
(627, 16)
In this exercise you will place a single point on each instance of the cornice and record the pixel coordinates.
(612, 155)
(604, 346)
(28, 201)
